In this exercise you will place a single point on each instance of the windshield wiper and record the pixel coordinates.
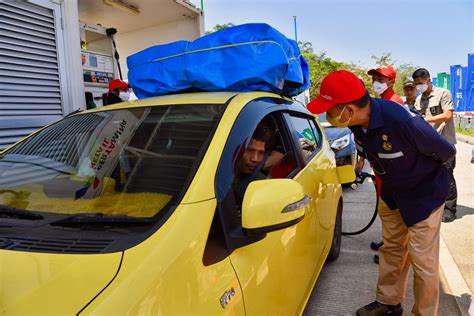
(100, 218)
(12, 212)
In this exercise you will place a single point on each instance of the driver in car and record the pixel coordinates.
(249, 166)
(262, 159)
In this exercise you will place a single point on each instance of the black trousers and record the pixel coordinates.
(451, 200)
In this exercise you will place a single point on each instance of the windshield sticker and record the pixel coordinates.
(112, 135)
(106, 148)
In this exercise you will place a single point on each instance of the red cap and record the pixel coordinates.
(118, 84)
(338, 87)
(385, 70)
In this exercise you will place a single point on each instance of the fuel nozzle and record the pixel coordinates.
(361, 176)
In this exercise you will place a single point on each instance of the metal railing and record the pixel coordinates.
(464, 121)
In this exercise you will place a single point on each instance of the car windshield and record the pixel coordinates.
(131, 162)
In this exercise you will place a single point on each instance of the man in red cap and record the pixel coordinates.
(408, 155)
(383, 79)
(119, 91)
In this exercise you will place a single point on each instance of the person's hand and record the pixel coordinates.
(274, 158)
(307, 144)
(360, 165)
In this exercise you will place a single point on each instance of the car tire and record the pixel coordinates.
(337, 236)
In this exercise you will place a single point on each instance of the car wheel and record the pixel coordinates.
(337, 236)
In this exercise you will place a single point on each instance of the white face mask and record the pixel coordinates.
(422, 87)
(379, 87)
(124, 96)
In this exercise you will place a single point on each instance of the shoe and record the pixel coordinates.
(448, 216)
(376, 259)
(375, 245)
(379, 309)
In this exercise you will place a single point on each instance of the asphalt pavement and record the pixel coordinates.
(350, 282)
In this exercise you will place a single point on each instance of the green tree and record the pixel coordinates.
(404, 73)
(305, 47)
(321, 65)
(219, 27)
(384, 59)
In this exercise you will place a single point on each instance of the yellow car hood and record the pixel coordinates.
(52, 284)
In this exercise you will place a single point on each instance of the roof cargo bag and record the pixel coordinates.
(248, 57)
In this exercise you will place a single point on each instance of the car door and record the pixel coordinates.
(315, 178)
(276, 270)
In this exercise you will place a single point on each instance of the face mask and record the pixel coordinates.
(422, 87)
(379, 87)
(124, 96)
(335, 121)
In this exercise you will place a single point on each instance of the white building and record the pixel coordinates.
(41, 68)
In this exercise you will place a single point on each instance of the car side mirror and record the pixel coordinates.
(273, 204)
(346, 174)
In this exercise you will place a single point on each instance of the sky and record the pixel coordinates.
(433, 34)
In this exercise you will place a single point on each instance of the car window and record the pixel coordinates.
(263, 155)
(121, 162)
(241, 134)
(234, 173)
(317, 132)
(308, 141)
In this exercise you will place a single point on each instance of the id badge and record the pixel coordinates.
(435, 110)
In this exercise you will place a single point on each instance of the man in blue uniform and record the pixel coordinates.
(408, 155)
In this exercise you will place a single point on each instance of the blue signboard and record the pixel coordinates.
(435, 81)
(456, 87)
(469, 105)
(465, 95)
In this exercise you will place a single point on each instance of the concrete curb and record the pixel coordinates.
(465, 138)
(457, 284)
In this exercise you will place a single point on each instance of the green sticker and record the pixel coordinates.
(308, 134)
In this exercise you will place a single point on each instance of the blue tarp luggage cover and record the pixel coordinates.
(248, 57)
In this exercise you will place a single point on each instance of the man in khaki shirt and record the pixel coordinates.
(436, 106)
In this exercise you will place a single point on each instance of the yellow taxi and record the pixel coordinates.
(202, 203)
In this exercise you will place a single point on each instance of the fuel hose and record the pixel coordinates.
(359, 180)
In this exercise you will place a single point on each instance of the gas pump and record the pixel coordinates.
(97, 53)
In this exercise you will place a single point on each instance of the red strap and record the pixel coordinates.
(378, 182)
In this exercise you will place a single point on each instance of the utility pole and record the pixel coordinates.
(296, 30)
